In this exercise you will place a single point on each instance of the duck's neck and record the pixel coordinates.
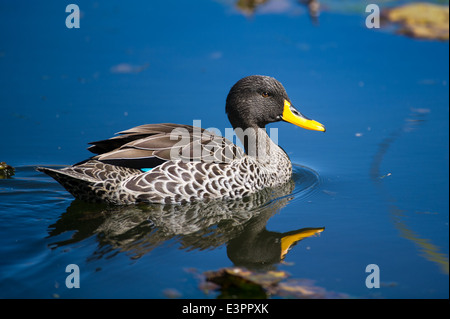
(257, 143)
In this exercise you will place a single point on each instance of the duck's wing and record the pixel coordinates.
(150, 145)
(132, 134)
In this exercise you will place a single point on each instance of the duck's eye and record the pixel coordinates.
(265, 94)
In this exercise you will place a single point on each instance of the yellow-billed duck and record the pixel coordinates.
(173, 163)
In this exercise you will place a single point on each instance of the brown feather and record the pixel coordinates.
(153, 144)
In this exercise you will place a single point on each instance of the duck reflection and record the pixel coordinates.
(137, 230)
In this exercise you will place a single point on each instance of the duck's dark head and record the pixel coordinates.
(257, 100)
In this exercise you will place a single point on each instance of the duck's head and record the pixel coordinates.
(256, 100)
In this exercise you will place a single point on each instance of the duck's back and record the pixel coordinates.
(169, 163)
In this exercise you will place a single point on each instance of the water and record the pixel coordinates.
(377, 180)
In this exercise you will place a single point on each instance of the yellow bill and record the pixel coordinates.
(288, 240)
(293, 116)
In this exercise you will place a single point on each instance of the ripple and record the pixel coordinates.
(307, 181)
(30, 187)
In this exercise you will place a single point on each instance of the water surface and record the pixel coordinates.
(377, 180)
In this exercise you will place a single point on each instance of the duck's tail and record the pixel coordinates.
(92, 181)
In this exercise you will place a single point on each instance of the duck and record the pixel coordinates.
(170, 163)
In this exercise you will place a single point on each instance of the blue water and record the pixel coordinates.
(377, 180)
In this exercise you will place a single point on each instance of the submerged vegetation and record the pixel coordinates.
(6, 171)
(422, 20)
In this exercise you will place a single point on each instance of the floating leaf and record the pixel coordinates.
(242, 283)
(237, 282)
